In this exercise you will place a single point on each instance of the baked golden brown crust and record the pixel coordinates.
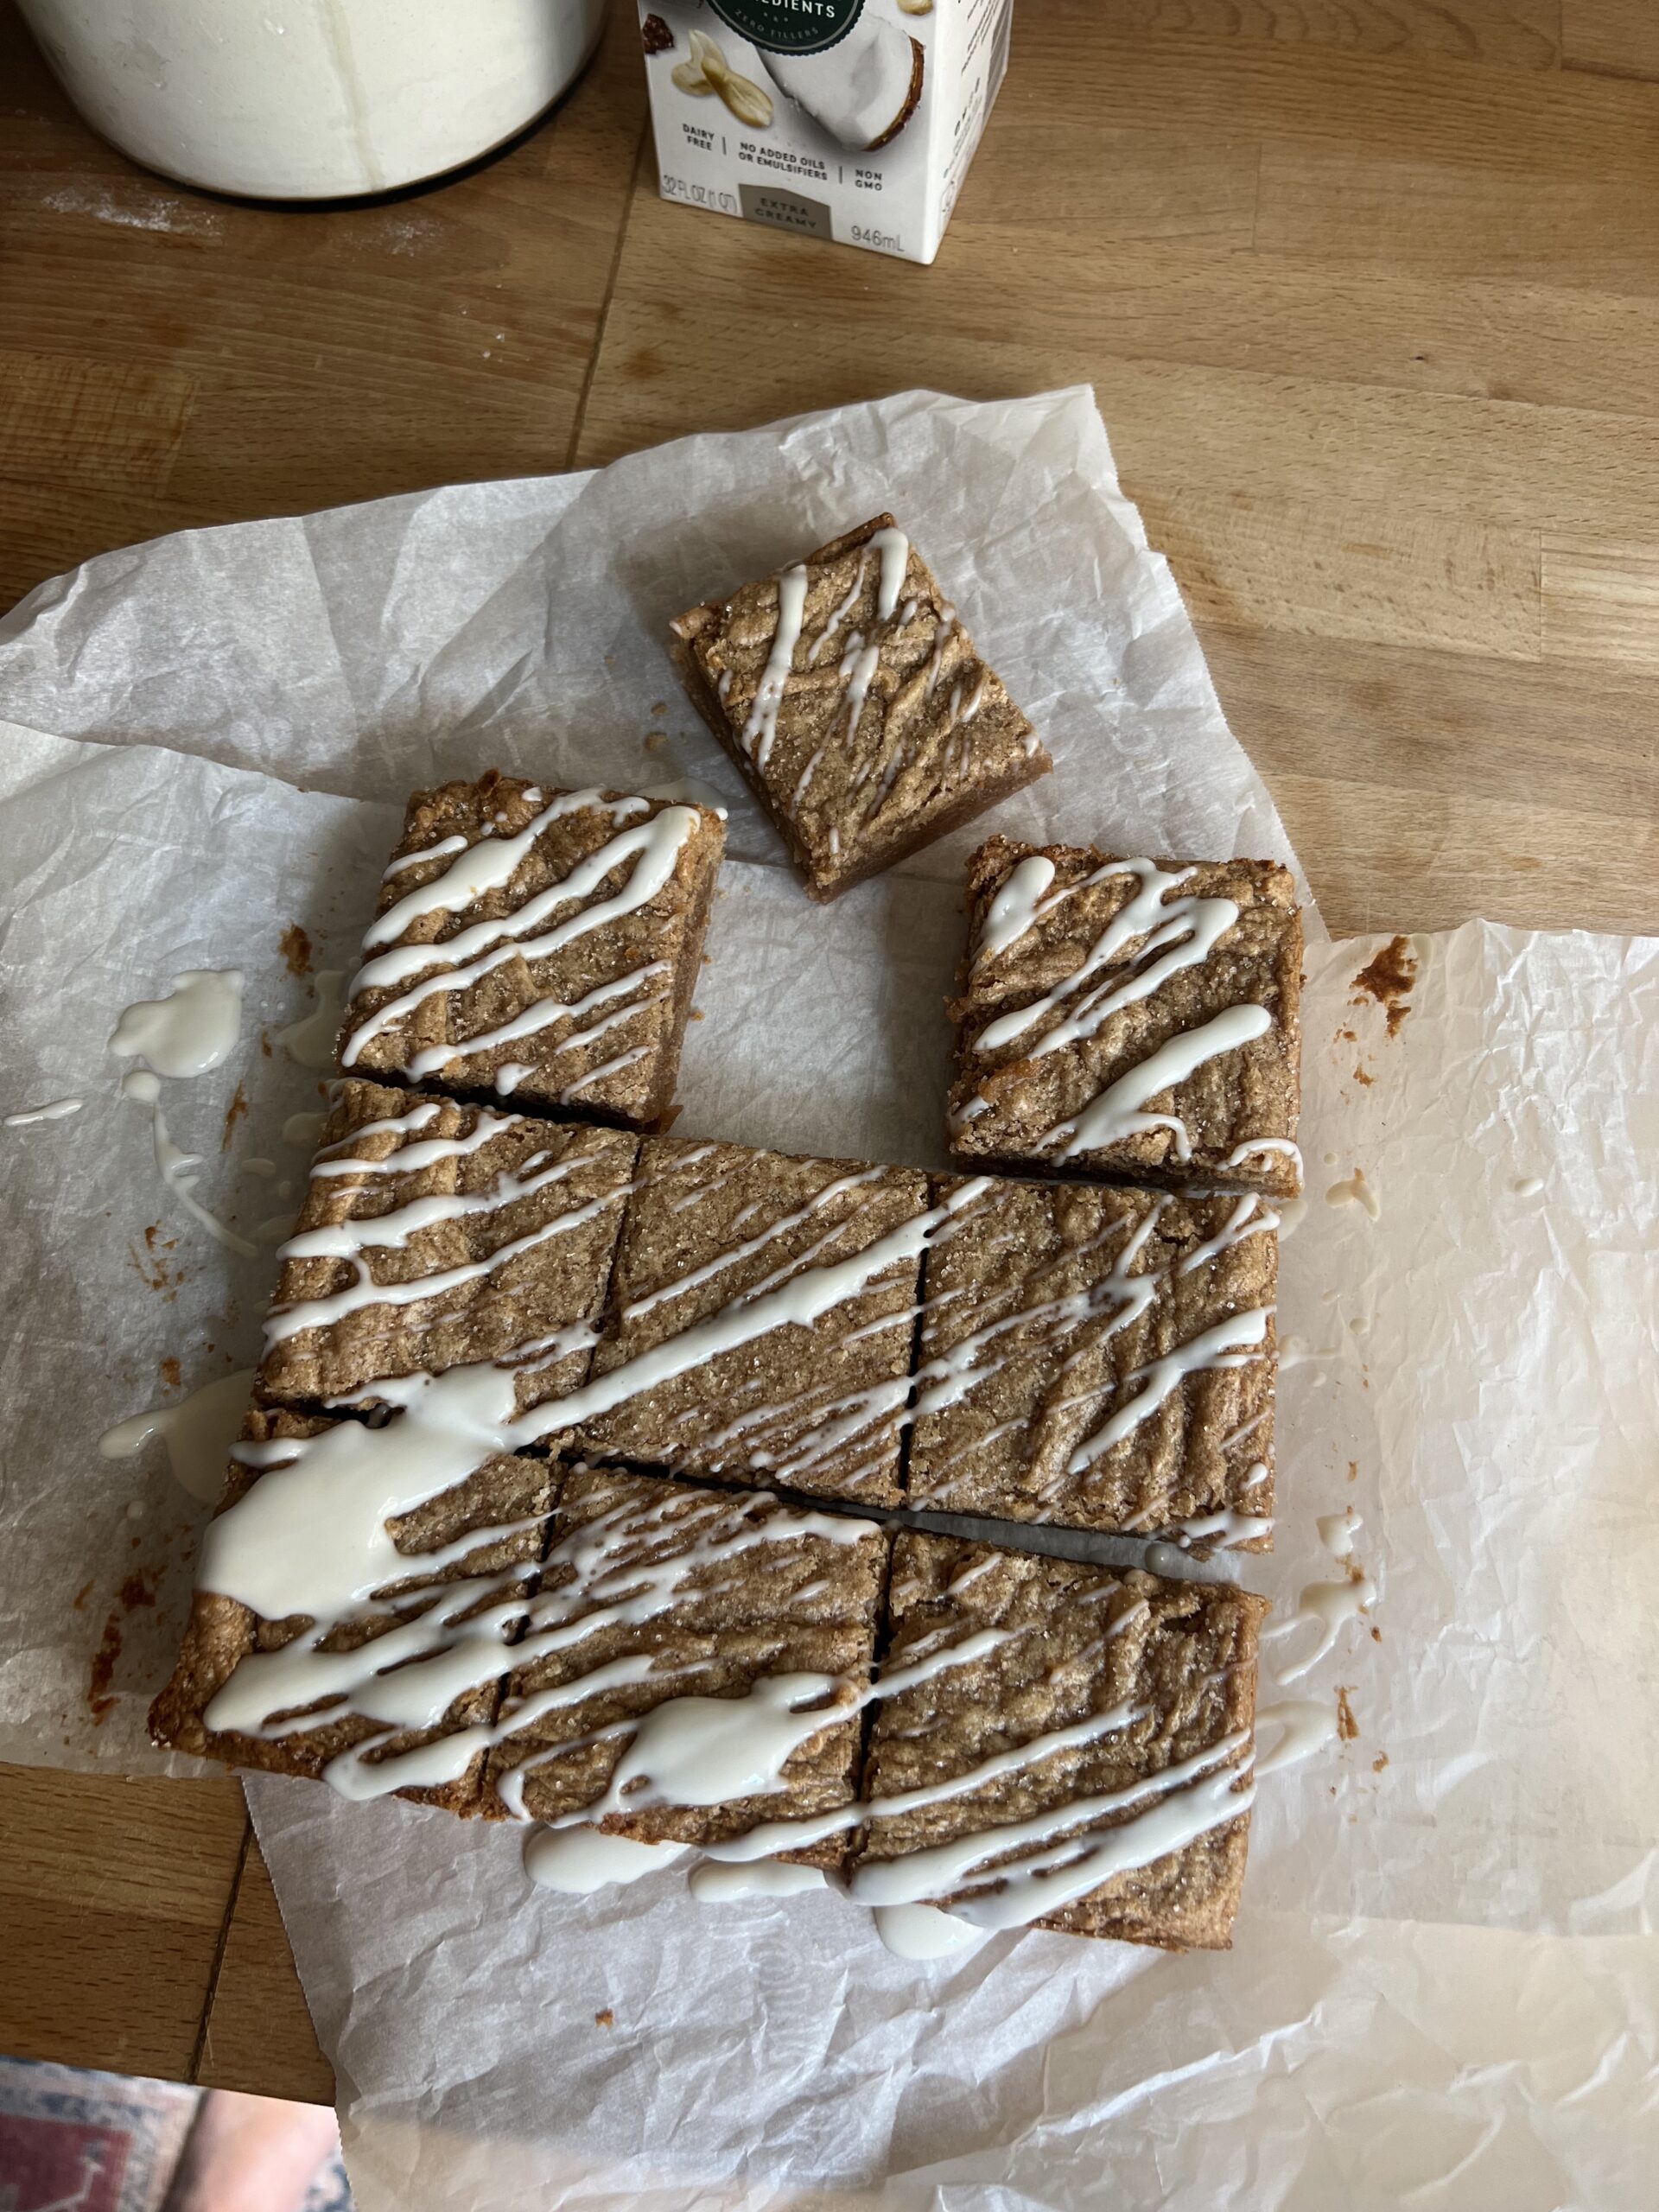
(222, 1632)
(815, 1408)
(517, 1186)
(737, 1605)
(1084, 1641)
(1010, 1104)
(891, 730)
(1044, 1313)
(627, 982)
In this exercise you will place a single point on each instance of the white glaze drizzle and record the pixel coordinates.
(542, 1014)
(303, 1130)
(1230, 1344)
(893, 548)
(761, 727)
(1015, 906)
(713, 1884)
(310, 1042)
(486, 865)
(194, 1028)
(440, 851)
(1120, 1110)
(826, 636)
(472, 953)
(53, 1111)
(921, 1932)
(1304, 1727)
(145, 1088)
(198, 1432)
(577, 1861)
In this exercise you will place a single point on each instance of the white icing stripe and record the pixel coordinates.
(1327, 1606)
(1241, 1153)
(285, 1321)
(1014, 908)
(1229, 1529)
(1232, 1342)
(444, 846)
(472, 954)
(768, 1877)
(1183, 933)
(736, 1254)
(826, 636)
(894, 548)
(860, 670)
(1119, 1111)
(1303, 1728)
(53, 1111)
(541, 1015)
(486, 865)
(173, 1165)
(1190, 1794)
(603, 1073)
(1249, 1217)
(577, 1861)
(761, 727)
(344, 1240)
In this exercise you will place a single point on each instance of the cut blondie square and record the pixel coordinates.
(541, 945)
(721, 1681)
(391, 1686)
(763, 1312)
(1084, 1766)
(857, 706)
(434, 1235)
(1103, 1358)
(1130, 1018)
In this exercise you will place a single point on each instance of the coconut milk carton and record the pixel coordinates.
(848, 120)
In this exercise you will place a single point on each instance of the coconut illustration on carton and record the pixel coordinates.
(863, 90)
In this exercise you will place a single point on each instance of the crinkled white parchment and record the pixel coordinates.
(1439, 1992)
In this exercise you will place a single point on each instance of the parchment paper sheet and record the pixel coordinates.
(1395, 2024)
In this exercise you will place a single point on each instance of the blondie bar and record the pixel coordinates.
(541, 945)
(1101, 1357)
(857, 706)
(1130, 1018)
(1087, 1768)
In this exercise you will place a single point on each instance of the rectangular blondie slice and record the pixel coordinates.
(434, 1234)
(1130, 1018)
(694, 1663)
(406, 1673)
(1097, 1357)
(794, 1283)
(857, 706)
(541, 945)
(1086, 1768)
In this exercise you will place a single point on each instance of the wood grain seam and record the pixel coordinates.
(200, 2051)
(601, 326)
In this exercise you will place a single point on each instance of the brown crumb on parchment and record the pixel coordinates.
(81, 1596)
(1379, 1763)
(1389, 979)
(235, 1112)
(605, 2019)
(295, 945)
(172, 1375)
(1347, 1726)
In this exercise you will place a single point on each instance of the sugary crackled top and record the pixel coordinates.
(863, 707)
(1136, 1015)
(1102, 1358)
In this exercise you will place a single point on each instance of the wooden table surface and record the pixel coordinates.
(1369, 291)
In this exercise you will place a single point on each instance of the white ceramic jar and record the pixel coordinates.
(312, 99)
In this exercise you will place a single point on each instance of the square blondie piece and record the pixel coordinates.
(1109, 1725)
(257, 1691)
(434, 1235)
(725, 1256)
(695, 1596)
(1104, 1359)
(856, 705)
(540, 945)
(1130, 1018)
